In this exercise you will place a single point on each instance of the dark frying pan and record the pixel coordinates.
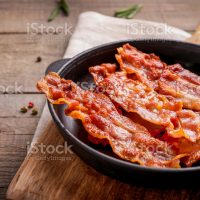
(104, 160)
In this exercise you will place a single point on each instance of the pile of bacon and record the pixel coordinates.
(147, 111)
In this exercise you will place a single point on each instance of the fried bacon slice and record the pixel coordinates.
(146, 67)
(170, 80)
(134, 96)
(170, 84)
(192, 158)
(185, 146)
(184, 73)
(100, 118)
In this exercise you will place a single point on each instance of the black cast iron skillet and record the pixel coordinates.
(103, 159)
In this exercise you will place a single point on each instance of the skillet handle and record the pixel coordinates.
(55, 66)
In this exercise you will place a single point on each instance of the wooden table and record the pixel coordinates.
(19, 70)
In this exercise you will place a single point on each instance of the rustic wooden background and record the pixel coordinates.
(19, 49)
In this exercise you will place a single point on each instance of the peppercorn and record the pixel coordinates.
(23, 109)
(34, 112)
(30, 104)
(39, 59)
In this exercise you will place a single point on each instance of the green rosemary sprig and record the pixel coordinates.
(61, 6)
(128, 13)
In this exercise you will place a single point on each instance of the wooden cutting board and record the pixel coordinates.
(64, 176)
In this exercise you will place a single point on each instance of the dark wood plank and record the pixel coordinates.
(16, 132)
(13, 148)
(3, 192)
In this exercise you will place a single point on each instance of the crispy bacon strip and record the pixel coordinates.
(184, 73)
(134, 96)
(130, 141)
(171, 84)
(192, 158)
(146, 67)
(185, 146)
(170, 80)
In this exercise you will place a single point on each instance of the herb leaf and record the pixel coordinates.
(61, 6)
(128, 13)
(134, 12)
(54, 13)
(125, 9)
(64, 6)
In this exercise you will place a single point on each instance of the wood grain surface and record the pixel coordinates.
(19, 50)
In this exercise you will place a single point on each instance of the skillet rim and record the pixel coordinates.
(94, 152)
